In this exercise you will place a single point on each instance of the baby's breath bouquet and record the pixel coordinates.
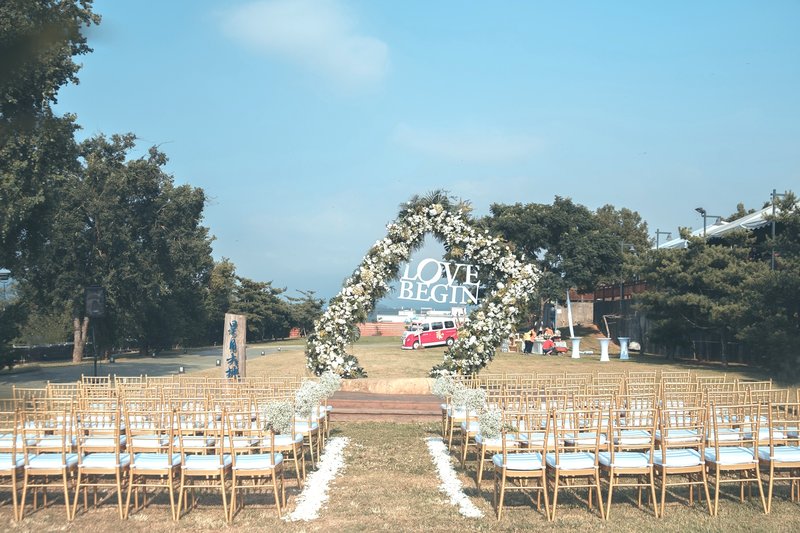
(469, 399)
(307, 398)
(491, 423)
(330, 383)
(279, 416)
(443, 386)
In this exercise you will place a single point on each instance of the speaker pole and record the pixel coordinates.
(94, 349)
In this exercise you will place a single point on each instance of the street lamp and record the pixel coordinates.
(773, 196)
(659, 233)
(706, 216)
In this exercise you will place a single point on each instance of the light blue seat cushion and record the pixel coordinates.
(154, 461)
(783, 454)
(763, 435)
(52, 442)
(6, 462)
(678, 458)
(496, 442)
(283, 441)
(587, 438)
(257, 461)
(104, 442)
(633, 437)
(153, 442)
(725, 435)
(52, 461)
(105, 460)
(474, 426)
(205, 462)
(519, 461)
(571, 460)
(241, 443)
(195, 442)
(730, 455)
(625, 459)
(679, 435)
(302, 426)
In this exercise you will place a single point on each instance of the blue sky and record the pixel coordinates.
(307, 122)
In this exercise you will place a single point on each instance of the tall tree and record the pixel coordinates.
(123, 225)
(268, 315)
(305, 310)
(220, 296)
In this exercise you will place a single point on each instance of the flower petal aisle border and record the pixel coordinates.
(315, 492)
(508, 280)
(450, 484)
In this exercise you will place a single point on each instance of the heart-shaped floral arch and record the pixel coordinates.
(508, 281)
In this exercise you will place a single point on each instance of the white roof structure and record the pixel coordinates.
(722, 227)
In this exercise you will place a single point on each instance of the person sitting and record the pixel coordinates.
(548, 347)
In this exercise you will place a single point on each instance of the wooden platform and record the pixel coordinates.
(367, 406)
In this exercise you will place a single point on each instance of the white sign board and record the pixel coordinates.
(437, 281)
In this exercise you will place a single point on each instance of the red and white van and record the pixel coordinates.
(430, 332)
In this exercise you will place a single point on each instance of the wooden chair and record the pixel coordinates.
(100, 455)
(631, 440)
(733, 447)
(48, 441)
(151, 443)
(681, 444)
(251, 461)
(12, 461)
(779, 455)
(204, 461)
(578, 435)
(522, 462)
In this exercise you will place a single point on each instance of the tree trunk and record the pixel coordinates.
(79, 337)
(723, 351)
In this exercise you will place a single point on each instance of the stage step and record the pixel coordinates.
(366, 406)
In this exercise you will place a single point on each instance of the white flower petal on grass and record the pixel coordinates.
(315, 491)
(450, 483)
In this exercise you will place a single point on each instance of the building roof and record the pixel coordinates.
(723, 227)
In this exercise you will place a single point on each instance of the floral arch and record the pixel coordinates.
(508, 282)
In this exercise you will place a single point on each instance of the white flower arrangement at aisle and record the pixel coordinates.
(280, 416)
(450, 483)
(330, 383)
(486, 327)
(315, 490)
(307, 397)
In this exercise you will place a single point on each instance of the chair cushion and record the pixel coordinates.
(474, 426)
(571, 460)
(678, 458)
(633, 437)
(730, 455)
(7, 464)
(283, 441)
(625, 459)
(782, 454)
(519, 461)
(584, 439)
(154, 442)
(206, 462)
(105, 460)
(496, 442)
(257, 461)
(725, 435)
(154, 461)
(103, 442)
(52, 461)
(679, 435)
(763, 435)
(195, 442)
(302, 426)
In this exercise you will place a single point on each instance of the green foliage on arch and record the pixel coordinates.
(511, 280)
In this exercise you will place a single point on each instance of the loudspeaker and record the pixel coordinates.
(95, 302)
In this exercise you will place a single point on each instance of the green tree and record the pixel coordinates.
(268, 316)
(305, 310)
(123, 225)
(219, 298)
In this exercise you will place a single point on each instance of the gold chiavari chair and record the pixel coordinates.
(154, 457)
(251, 460)
(578, 436)
(12, 461)
(101, 454)
(48, 441)
(631, 441)
(779, 454)
(520, 464)
(680, 439)
(732, 447)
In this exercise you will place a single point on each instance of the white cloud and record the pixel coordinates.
(468, 145)
(320, 35)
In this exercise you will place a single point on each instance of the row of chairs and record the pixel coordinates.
(132, 436)
(639, 443)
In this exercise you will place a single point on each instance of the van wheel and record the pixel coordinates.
(415, 345)
(450, 341)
